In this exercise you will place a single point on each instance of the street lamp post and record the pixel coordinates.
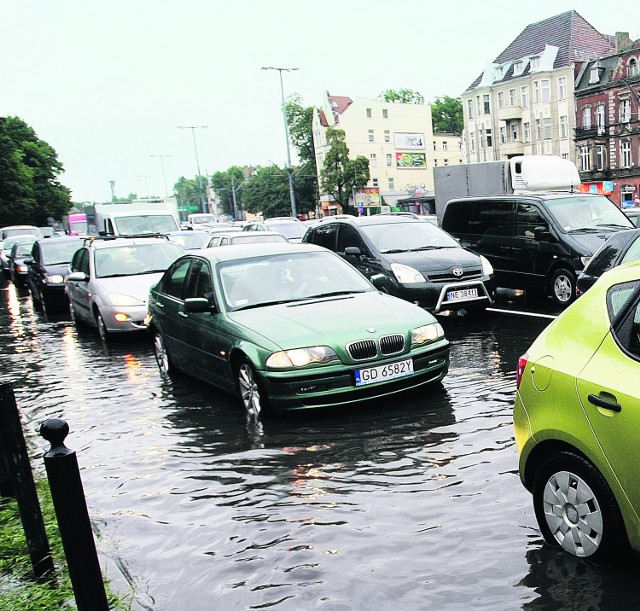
(195, 148)
(164, 178)
(292, 194)
(146, 182)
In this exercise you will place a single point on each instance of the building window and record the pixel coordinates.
(387, 136)
(600, 119)
(485, 101)
(446, 162)
(373, 160)
(600, 156)
(534, 62)
(435, 145)
(524, 94)
(391, 183)
(385, 113)
(564, 127)
(499, 72)
(470, 108)
(584, 159)
(594, 75)
(518, 67)
(546, 90)
(445, 145)
(538, 130)
(500, 99)
(625, 153)
(547, 128)
(514, 132)
(370, 135)
(536, 92)
(503, 134)
(632, 68)
(625, 110)
(512, 97)
(478, 106)
(489, 138)
(565, 155)
(472, 141)
(435, 163)
(562, 88)
(526, 128)
(586, 117)
(389, 160)
(374, 182)
(368, 113)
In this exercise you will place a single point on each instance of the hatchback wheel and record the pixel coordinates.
(248, 388)
(162, 356)
(576, 509)
(563, 286)
(102, 328)
(74, 318)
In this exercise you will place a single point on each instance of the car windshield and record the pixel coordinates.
(587, 213)
(190, 240)
(8, 244)
(135, 259)
(301, 276)
(59, 253)
(257, 237)
(289, 229)
(410, 236)
(203, 219)
(22, 249)
(145, 223)
(20, 231)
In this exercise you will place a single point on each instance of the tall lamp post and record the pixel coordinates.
(195, 148)
(164, 178)
(292, 194)
(146, 182)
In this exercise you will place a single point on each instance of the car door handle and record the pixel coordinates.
(159, 305)
(604, 403)
(183, 314)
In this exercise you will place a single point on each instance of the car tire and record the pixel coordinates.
(161, 353)
(102, 328)
(78, 323)
(577, 511)
(252, 397)
(563, 286)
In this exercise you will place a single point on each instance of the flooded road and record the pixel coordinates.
(408, 503)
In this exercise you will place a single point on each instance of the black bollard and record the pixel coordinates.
(69, 502)
(19, 482)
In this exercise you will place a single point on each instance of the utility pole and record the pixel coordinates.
(195, 148)
(164, 179)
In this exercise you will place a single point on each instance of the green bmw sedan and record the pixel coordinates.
(292, 326)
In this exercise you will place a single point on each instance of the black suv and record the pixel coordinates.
(421, 263)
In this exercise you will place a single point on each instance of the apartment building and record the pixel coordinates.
(397, 139)
(607, 133)
(523, 102)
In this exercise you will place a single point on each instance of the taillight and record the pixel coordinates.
(522, 363)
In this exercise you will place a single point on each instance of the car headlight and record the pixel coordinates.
(118, 299)
(299, 357)
(427, 333)
(487, 268)
(406, 274)
(585, 261)
(54, 279)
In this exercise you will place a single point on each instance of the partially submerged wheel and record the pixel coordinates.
(248, 388)
(102, 328)
(162, 356)
(576, 509)
(563, 286)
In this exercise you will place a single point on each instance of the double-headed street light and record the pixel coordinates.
(195, 148)
(292, 194)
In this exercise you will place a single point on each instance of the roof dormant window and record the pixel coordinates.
(632, 67)
(518, 67)
(534, 62)
(594, 74)
(499, 72)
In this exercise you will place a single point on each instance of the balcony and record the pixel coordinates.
(510, 113)
(512, 148)
(591, 132)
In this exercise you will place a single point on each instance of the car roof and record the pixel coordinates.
(530, 195)
(61, 238)
(114, 242)
(247, 251)
(244, 234)
(374, 219)
(627, 272)
(18, 227)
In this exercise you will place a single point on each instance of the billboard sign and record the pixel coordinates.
(408, 140)
(368, 197)
(411, 160)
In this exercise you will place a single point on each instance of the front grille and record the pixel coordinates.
(363, 349)
(447, 275)
(391, 344)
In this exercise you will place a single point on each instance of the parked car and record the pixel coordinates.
(14, 230)
(190, 239)
(291, 325)
(420, 262)
(109, 281)
(243, 237)
(577, 421)
(620, 248)
(536, 241)
(633, 214)
(7, 246)
(290, 228)
(47, 266)
(16, 260)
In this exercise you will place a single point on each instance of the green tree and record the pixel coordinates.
(402, 96)
(340, 175)
(187, 192)
(446, 113)
(267, 192)
(223, 184)
(30, 191)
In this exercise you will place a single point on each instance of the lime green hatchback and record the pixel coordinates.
(577, 421)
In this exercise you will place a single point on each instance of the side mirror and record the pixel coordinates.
(77, 277)
(28, 261)
(352, 251)
(542, 234)
(198, 305)
(378, 280)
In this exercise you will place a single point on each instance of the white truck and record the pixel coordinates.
(137, 217)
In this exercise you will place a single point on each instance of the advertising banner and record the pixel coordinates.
(369, 197)
(408, 140)
(411, 160)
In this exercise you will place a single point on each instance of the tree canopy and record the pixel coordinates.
(402, 96)
(267, 191)
(223, 184)
(446, 114)
(29, 168)
(340, 175)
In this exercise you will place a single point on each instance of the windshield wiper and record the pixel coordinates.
(428, 248)
(584, 229)
(334, 294)
(263, 304)
(391, 251)
(614, 225)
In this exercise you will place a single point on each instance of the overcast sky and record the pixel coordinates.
(108, 83)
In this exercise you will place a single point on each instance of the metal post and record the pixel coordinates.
(195, 148)
(15, 459)
(73, 519)
(164, 178)
(233, 195)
